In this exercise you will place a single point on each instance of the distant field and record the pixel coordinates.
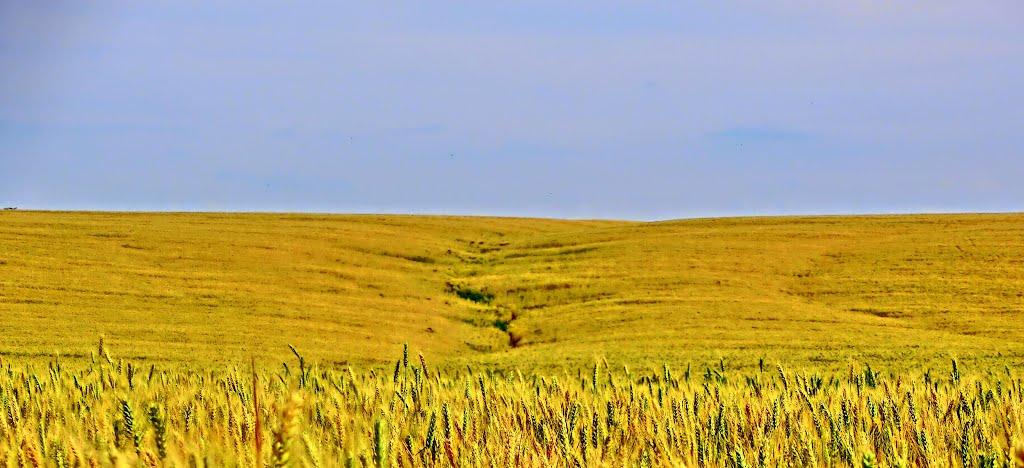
(215, 289)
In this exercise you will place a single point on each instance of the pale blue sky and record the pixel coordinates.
(591, 108)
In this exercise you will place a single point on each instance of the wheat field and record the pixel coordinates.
(252, 339)
(111, 412)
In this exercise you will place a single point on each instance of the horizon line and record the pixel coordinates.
(439, 214)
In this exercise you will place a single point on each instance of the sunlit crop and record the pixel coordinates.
(110, 411)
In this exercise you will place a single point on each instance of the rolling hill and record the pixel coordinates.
(215, 289)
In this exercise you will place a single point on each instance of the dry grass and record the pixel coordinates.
(815, 292)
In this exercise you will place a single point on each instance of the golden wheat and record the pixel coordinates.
(85, 414)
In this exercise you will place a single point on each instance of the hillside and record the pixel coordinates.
(218, 288)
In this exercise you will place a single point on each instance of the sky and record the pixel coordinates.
(580, 109)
